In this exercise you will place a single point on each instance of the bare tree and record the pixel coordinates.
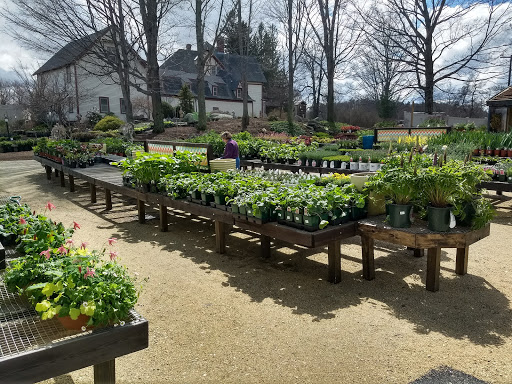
(203, 10)
(292, 16)
(443, 38)
(243, 42)
(337, 34)
(313, 62)
(381, 70)
(7, 90)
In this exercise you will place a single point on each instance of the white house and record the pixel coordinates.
(76, 69)
(223, 87)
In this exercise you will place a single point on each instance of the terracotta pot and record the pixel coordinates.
(71, 324)
(497, 152)
(488, 152)
(509, 153)
(503, 153)
(476, 152)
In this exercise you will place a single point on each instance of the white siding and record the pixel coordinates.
(256, 93)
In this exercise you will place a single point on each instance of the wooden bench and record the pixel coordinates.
(418, 237)
(170, 147)
(394, 133)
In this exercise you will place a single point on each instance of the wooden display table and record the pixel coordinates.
(418, 237)
(32, 349)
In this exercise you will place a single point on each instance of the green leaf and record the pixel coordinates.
(74, 313)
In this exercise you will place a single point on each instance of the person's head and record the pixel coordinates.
(226, 136)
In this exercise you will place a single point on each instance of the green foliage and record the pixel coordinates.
(108, 123)
(385, 124)
(186, 99)
(93, 118)
(386, 107)
(167, 110)
(294, 129)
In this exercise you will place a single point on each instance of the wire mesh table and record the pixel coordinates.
(32, 349)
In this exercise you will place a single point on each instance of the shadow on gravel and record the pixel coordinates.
(466, 307)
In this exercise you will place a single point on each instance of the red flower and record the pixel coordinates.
(113, 255)
(90, 272)
(70, 242)
(76, 225)
(46, 253)
(84, 244)
(23, 221)
(63, 250)
(112, 240)
(50, 206)
(79, 269)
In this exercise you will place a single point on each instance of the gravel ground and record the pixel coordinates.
(235, 318)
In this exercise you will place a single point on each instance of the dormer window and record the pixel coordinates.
(214, 90)
(239, 93)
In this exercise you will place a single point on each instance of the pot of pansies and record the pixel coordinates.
(316, 212)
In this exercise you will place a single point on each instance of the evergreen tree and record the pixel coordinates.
(186, 99)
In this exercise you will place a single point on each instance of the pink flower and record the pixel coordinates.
(112, 240)
(50, 206)
(79, 269)
(113, 255)
(70, 242)
(84, 244)
(46, 253)
(62, 250)
(23, 221)
(25, 231)
(90, 272)
(76, 225)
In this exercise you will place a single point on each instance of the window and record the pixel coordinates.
(71, 105)
(104, 105)
(68, 74)
(239, 93)
(214, 90)
(111, 54)
(123, 106)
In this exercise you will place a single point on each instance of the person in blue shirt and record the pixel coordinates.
(231, 149)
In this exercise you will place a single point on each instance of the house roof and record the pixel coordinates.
(504, 98)
(71, 52)
(180, 68)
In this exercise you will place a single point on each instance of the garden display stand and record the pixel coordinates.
(418, 237)
(32, 349)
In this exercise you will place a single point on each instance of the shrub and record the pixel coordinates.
(108, 123)
(167, 110)
(273, 118)
(283, 126)
(93, 118)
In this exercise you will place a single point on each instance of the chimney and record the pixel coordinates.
(189, 47)
(220, 45)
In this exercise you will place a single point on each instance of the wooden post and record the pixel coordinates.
(105, 373)
(499, 193)
(461, 263)
(265, 246)
(163, 218)
(141, 207)
(220, 237)
(56, 172)
(48, 172)
(433, 268)
(62, 180)
(334, 262)
(71, 183)
(368, 257)
(92, 187)
(108, 199)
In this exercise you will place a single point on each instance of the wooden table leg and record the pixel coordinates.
(220, 237)
(499, 193)
(105, 373)
(163, 218)
(92, 187)
(2, 257)
(461, 263)
(265, 246)
(141, 207)
(56, 172)
(71, 183)
(48, 172)
(334, 262)
(62, 180)
(419, 252)
(108, 199)
(368, 256)
(433, 269)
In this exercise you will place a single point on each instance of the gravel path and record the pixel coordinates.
(234, 318)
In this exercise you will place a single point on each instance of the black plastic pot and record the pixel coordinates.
(82, 165)
(399, 215)
(438, 219)
(469, 214)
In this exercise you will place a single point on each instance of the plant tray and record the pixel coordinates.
(254, 220)
(219, 206)
(240, 217)
(205, 203)
(196, 201)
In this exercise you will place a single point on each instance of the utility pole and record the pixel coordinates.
(7, 125)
